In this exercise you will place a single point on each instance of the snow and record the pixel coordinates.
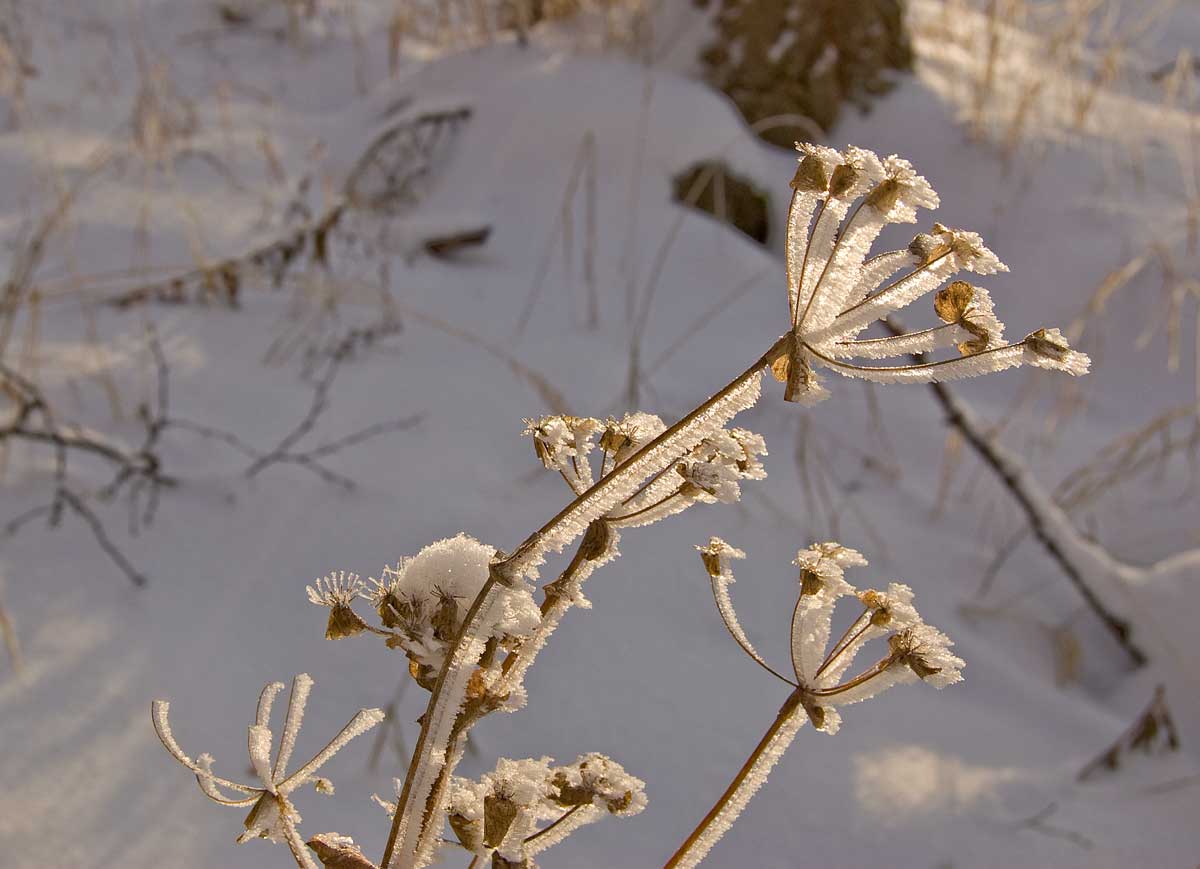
(648, 676)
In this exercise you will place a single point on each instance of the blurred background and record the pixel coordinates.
(281, 278)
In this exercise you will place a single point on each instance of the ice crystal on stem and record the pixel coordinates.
(272, 815)
(914, 651)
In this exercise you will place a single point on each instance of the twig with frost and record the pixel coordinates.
(914, 651)
(272, 815)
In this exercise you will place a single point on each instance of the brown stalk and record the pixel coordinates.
(785, 712)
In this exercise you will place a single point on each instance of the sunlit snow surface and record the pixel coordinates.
(647, 676)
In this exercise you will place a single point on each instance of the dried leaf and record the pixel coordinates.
(951, 302)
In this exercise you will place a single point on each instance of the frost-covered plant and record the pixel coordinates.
(464, 613)
(523, 807)
(912, 651)
(272, 815)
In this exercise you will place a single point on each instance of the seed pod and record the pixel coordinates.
(810, 175)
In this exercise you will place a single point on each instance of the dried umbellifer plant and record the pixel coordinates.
(464, 614)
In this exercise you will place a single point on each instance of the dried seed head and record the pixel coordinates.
(613, 440)
(926, 651)
(843, 180)
(596, 540)
(499, 812)
(343, 622)
(558, 439)
(1049, 343)
(337, 591)
(811, 175)
(884, 195)
(716, 556)
(1048, 348)
(926, 248)
(468, 830)
(810, 582)
(445, 616)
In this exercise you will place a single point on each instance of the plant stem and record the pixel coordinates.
(547, 829)
(518, 563)
(742, 787)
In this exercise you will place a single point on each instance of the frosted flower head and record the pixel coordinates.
(815, 167)
(272, 815)
(716, 556)
(338, 591)
(926, 652)
(736, 452)
(501, 813)
(900, 192)
(390, 600)
(425, 599)
(821, 567)
(622, 438)
(709, 481)
(1048, 348)
(888, 620)
(893, 608)
(559, 439)
(836, 290)
(595, 779)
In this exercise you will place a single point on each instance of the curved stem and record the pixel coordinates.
(627, 516)
(916, 366)
(560, 820)
(844, 642)
(825, 269)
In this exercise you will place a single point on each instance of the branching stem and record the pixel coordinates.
(520, 561)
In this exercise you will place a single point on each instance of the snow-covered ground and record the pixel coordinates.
(648, 675)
